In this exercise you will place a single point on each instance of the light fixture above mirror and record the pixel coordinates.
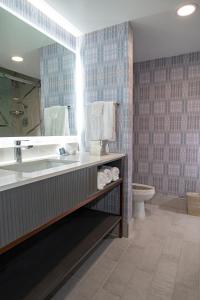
(52, 14)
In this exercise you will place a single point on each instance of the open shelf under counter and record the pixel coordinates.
(107, 188)
(38, 267)
(61, 226)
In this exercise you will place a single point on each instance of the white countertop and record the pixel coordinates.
(11, 179)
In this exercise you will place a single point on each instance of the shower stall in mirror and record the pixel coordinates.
(20, 105)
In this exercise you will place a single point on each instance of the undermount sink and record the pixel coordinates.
(35, 166)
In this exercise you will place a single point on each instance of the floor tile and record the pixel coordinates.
(138, 285)
(119, 278)
(151, 255)
(189, 265)
(160, 262)
(105, 295)
(173, 245)
(164, 280)
(183, 293)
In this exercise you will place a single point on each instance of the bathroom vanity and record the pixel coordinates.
(50, 220)
(51, 213)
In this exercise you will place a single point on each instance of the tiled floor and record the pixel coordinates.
(161, 261)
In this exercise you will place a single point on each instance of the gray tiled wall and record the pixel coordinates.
(57, 69)
(107, 57)
(166, 149)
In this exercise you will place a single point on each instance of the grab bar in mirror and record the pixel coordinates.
(3, 120)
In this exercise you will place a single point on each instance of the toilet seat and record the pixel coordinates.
(142, 189)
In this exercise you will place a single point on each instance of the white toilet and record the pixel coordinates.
(141, 193)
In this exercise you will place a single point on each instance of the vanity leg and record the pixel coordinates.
(121, 211)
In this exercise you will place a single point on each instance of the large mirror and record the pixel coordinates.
(37, 82)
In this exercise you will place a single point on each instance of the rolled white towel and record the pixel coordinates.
(114, 171)
(108, 173)
(101, 180)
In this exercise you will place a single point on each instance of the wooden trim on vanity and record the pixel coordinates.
(58, 218)
(122, 200)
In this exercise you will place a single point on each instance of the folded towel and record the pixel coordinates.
(115, 172)
(108, 174)
(56, 121)
(101, 180)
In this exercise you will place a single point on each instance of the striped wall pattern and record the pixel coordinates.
(57, 70)
(107, 58)
(109, 203)
(41, 21)
(166, 149)
(25, 208)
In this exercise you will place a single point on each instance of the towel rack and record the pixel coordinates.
(117, 103)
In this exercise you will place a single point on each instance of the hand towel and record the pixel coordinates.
(109, 121)
(101, 121)
(56, 121)
(94, 119)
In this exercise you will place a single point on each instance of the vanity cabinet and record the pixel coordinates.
(46, 256)
(31, 207)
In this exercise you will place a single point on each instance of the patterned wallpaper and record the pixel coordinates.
(41, 21)
(166, 148)
(57, 69)
(107, 64)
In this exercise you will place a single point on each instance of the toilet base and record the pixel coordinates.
(139, 210)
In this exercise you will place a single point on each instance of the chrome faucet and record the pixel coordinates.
(18, 150)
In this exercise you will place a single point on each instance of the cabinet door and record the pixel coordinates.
(28, 207)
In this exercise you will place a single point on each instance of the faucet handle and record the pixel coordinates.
(18, 142)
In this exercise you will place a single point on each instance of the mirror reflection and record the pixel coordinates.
(37, 90)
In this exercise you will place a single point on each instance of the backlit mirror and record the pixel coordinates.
(37, 90)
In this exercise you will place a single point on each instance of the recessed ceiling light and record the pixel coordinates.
(186, 10)
(17, 58)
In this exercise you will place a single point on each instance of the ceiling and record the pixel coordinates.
(158, 31)
(19, 39)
